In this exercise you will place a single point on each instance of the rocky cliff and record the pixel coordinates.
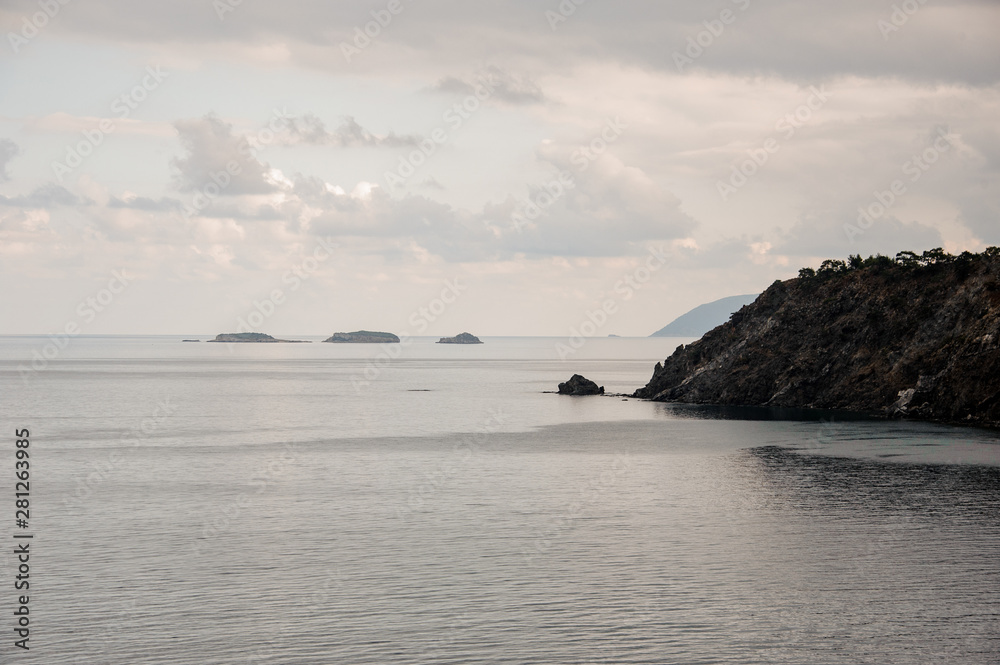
(915, 336)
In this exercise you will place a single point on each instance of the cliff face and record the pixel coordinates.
(916, 336)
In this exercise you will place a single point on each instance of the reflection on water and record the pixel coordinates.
(717, 412)
(608, 543)
(900, 559)
(926, 488)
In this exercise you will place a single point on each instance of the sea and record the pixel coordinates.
(224, 504)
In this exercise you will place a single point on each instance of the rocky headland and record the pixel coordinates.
(363, 337)
(253, 338)
(463, 338)
(912, 336)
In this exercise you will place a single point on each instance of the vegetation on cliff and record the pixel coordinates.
(915, 335)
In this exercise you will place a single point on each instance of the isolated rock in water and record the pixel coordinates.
(363, 337)
(915, 336)
(464, 338)
(252, 338)
(578, 385)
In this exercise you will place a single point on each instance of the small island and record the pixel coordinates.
(580, 385)
(253, 338)
(363, 337)
(463, 338)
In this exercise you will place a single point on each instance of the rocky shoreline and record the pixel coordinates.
(917, 336)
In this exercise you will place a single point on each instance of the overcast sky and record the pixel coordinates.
(531, 161)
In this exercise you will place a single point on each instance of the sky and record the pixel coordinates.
(503, 168)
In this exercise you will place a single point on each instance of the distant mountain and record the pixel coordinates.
(703, 318)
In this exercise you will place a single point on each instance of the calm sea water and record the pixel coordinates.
(317, 503)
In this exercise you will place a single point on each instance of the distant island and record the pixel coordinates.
(911, 336)
(253, 338)
(363, 337)
(463, 338)
(703, 318)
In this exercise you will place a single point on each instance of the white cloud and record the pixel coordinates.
(212, 149)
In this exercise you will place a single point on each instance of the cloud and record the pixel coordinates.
(29, 225)
(506, 86)
(602, 209)
(431, 183)
(607, 209)
(368, 211)
(46, 196)
(839, 235)
(310, 130)
(212, 148)
(145, 203)
(982, 216)
(938, 42)
(8, 151)
(62, 122)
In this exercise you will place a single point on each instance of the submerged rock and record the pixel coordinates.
(464, 338)
(363, 337)
(579, 385)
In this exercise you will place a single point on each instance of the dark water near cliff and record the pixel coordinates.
(279, 510)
